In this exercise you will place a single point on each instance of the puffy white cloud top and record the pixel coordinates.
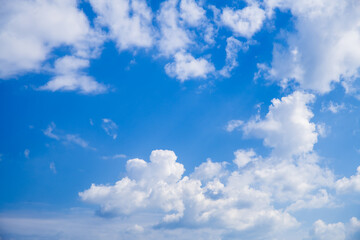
(286, 127)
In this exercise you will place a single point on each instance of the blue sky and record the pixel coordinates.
(179, 119)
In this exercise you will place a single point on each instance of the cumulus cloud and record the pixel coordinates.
(209, 170)
(173, 30)
(240, 199)
(243, 157)
(210, 195)
(30, 30)
(149, 186)
(191, 12)
(110, 127)
(323, 231)
(187, 67)
(173, 36)
(286, 127)
(324, 48)
(129, 22)
(244, 22)
(293, 179)
(71, 77)
(351, 184)
(319, 200)
(336, 231)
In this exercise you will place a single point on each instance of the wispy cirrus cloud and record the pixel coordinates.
(65, 138)
(110, 127)
(116, 156)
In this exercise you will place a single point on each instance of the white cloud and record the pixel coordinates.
(243, 157)
(323, 231)
(351, 184)
(336, 231)
(234, 124)
(191, 12)
(333, 107)
(173, 37)
(71, 77)
(233, 46)
(30, 30)
(209, 170)
(116, 156)
(187, 67)
(324, 48)
(72, 138)
(320, 200)
(238, 200)
(65, 138)
(198, 200)
(354, 228)
(129, 22)
(293, 180)
(149, 185)
(286, 127)
(322, 129)
(26, 153)
(49, 131)
(110, 127)
(244, 22)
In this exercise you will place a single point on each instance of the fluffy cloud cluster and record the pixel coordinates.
(323, 49)
(71, 77)
(244, 22)
(213, 195)
(254, 191)
(31, 30)
(26, 39)
(174, 31)
(286, 127)
(243, 157)
(129, 22)
(186, 67)
(336, 231)
(351, 184)
(210, 195)
(173, 36)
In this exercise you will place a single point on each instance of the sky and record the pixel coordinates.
(179, 119)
